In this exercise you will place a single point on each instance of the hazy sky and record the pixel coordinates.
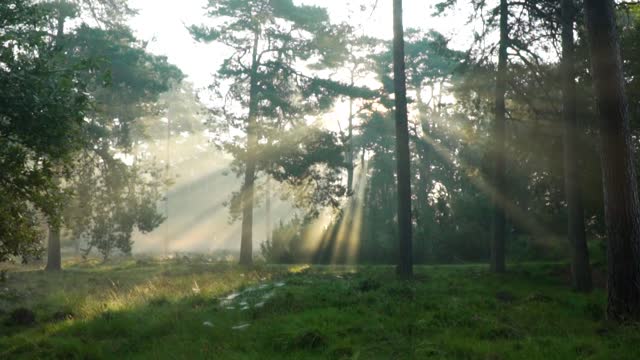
(163, 23)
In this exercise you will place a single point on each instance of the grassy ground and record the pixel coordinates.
(143, 309)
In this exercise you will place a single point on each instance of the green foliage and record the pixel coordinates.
(112, 201)
(263, 79)
(309, 160)
(124, 81)
(283, 247)
(429, 61)
(68, 100)
(20, 234)
(42, 109)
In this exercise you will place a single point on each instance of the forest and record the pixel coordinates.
(307, 179)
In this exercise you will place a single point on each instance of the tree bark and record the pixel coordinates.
(54, 256)
(166, 201)
(269, 221)
(580, 267)
(246, 242)
(423, 244)
(350, 162)
(499, 133)
(622, 215)
(405, 259)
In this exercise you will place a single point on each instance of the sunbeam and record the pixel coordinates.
(475, 176)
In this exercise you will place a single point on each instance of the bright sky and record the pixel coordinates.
(163, 24)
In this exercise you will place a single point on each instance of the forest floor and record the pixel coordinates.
(193, 309)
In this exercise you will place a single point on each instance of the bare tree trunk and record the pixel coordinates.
(499, 133)
(423, 250)
(54, 256)
(350, 155)
(166, 201)
(423, 244)
(246, 243)
(77, 244)
(619, 176)
(403, 158)
(269, 222)
(580, 267)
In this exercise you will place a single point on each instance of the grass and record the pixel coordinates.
(139, 309)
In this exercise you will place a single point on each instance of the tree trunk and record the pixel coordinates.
(350, 162)
(246, 243)
(269, 222)
(166, 202)
(76, 249)
(580, 267)
(405, 260)
(499, 134)
(424, 252)
(619, 177)
(54, 257)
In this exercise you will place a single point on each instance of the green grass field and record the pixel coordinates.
(151, 309)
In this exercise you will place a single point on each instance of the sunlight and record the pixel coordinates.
(341, 234)
(520, 217)
(311, 179)
(298, 269)
(316, 233)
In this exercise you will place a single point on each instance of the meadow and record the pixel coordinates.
(195, 308)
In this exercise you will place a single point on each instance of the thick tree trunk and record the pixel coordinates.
(54, 256)
(499, 134)
(405, 259)
(246, 242)
(580, 267)
(619, 177)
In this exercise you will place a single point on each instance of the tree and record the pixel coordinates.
(41, 122)
(104, 12)
(122, 79)
(114, 198)
(581, 271)
(622, 213)
(430, 67)
(403, 156)
(499, 133)
(269, 38)
(358, 62)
